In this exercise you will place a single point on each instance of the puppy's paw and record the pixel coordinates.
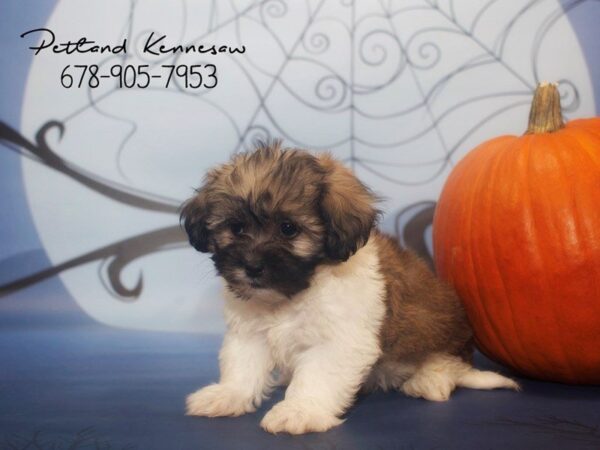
(436, 387)
(218, 400)
(297, 418)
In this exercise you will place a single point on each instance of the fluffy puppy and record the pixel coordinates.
(315, 295)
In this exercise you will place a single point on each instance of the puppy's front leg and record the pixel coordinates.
(323, 386)
(246, 366)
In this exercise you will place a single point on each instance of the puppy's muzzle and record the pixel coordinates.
(254, 270)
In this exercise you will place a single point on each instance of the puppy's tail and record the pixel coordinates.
(440, 374)
(484, 379)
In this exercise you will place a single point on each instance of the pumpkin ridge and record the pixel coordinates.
(591, 125)
(453, 232)
(516, 335)
(583, 154)
(549, 147)
(528, 212)
(587, 151)
(553, 146)
(534, 359)
(589, 236)
(588, 233)
(492, 331)
(584, 146)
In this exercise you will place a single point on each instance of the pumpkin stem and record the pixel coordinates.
(545, 115)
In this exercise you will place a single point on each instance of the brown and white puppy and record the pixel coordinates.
(315, 294)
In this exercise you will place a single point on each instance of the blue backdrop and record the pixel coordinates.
(386, 86)
(94, 268)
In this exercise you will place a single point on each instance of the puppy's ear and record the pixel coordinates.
(196, 212)
(194, 215)
(347, 208)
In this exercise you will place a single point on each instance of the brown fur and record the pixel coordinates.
(336, 215)
(266, 182)
(348, 209)
(264, 189)
(424, 316)
(272, 216)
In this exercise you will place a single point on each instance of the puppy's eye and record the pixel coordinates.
(288, 229)
(236, 228)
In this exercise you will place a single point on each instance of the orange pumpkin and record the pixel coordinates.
(517, 233)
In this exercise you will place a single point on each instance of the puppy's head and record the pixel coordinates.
(270, 216)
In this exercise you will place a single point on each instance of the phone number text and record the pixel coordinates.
(139, 76)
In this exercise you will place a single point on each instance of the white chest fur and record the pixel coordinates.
(325, 343)
(343, 309)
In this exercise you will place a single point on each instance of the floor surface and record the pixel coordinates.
(99, 388)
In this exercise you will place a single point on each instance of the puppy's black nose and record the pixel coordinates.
(254, 270)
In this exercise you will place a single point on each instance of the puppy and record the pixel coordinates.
(317, 296)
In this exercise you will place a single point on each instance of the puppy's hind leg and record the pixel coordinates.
(440, 374)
